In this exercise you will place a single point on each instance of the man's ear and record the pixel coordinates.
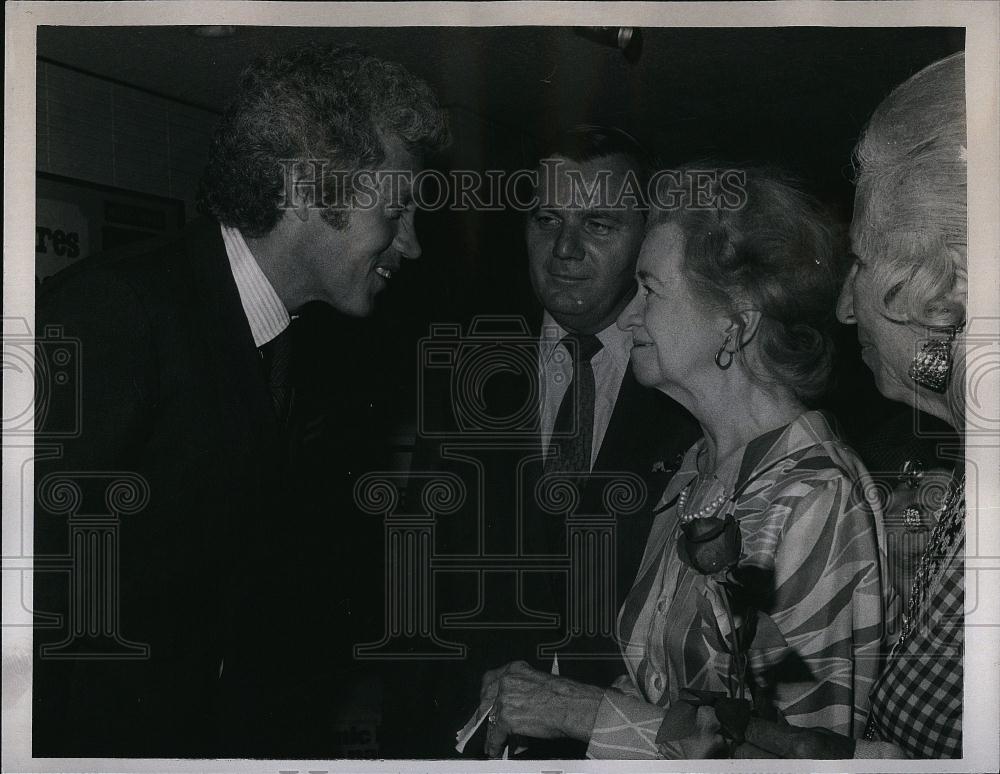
(304, 194)
(744, 328)
(303, 199)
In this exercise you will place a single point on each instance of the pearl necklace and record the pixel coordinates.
(703, 512)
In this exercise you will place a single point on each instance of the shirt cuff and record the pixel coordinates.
(625, 728)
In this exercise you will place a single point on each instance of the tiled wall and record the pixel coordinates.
(103, 132)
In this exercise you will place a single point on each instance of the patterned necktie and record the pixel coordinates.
(573, 431)
(276, 362)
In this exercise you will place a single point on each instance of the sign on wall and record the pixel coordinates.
(62, 236)
(74, 219)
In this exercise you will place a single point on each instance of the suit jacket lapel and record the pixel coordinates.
(625, 447)
(619, 444)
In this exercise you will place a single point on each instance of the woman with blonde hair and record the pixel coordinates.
(761, 582)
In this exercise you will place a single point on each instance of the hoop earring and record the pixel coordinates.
(724, 364)
(931, 366)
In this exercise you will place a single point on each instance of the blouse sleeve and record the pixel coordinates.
(626, 725)
(826, 601)
(816, 532)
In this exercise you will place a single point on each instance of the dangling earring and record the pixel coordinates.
(931, 366)
(728, 361)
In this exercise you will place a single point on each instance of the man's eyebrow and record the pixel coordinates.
(616, 215)
(608, 214)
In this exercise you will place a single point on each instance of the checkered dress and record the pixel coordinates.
(917, 701)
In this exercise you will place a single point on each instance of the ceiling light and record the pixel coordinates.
(627, 39)
(214, 30)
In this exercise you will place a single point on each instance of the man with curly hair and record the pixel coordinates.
(294, 173)
(184, 383)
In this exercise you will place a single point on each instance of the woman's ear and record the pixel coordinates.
(744, 328)
(958, 297)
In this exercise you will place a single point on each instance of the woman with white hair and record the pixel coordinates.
(907, 294)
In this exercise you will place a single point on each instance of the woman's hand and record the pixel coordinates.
(528, 702)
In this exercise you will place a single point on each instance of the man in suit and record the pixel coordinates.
(558, 406)
(164, 577)
(583, 242)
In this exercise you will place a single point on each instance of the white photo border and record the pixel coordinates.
(981, 21)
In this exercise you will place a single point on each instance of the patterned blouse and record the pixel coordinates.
(804, 513)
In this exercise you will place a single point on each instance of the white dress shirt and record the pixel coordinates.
(555, 369)
(264, 310)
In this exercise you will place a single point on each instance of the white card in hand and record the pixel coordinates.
(470, 728)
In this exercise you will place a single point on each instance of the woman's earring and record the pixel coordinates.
(724, 358)
(931, 366)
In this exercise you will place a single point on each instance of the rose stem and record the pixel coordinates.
(734, 653)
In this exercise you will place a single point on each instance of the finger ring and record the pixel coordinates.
(493, 717)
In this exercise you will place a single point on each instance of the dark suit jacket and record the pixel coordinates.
(170, 390)
(514, 613)
(646, 435)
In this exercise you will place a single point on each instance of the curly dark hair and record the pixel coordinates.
(319, 102)
(780, 253)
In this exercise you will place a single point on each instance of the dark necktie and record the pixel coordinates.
(573, 431)
(276, 362)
